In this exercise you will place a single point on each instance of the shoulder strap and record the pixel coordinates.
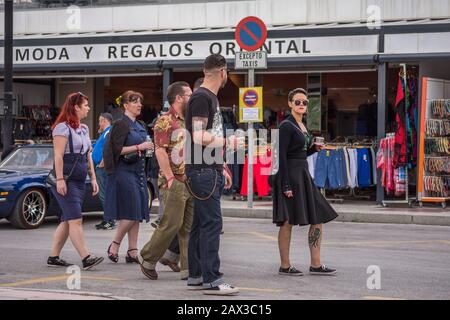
(70, 139)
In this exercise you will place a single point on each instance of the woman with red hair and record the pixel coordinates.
(73, 160)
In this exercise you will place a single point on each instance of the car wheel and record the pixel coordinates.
(30, 210)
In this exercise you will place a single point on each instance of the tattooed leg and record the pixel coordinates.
(314, 240)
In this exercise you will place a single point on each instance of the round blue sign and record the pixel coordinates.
(251, 33)
(250, 98)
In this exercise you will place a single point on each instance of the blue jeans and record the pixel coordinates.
(330, 169)
(101, 175)
(204, 240)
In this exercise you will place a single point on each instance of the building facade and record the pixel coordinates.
(346, 52)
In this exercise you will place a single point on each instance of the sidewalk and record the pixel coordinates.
(349, 211)
(39, 294)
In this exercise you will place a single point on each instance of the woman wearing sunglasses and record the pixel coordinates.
(73, 160)
(296, 200)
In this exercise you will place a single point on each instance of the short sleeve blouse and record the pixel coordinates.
(80, 136)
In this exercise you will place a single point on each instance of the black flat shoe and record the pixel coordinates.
(130, 259)
(114, 257)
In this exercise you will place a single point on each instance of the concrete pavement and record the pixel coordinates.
(39, 294)
(350, 211)
(412, 261)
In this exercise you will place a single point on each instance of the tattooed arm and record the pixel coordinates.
(201, 136)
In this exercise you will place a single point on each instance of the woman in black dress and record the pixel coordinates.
(296, 199)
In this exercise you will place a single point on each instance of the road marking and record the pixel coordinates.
(260, 290)
(264, 236)
(443, 241)
(55, 278)
(381, 298)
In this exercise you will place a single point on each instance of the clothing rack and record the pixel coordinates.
(407, 200)
(363, 143)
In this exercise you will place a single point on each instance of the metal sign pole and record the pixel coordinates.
(251, 83)
(7, 125)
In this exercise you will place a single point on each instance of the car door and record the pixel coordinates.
(91, 203)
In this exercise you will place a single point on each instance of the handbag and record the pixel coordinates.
(132, 157)
(50, 180)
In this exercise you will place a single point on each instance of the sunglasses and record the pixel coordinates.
(77, 97)
(299, 102)
(135, 100)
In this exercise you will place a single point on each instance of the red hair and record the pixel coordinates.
(68, 112)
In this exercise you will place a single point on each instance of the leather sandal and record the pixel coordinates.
(114, 257)
(130, 259)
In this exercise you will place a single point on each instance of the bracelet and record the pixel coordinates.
(59, 179)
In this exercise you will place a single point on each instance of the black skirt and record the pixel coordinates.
(308, 206)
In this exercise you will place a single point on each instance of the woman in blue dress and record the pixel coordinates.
(126, 196)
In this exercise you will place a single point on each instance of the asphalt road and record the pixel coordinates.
(413, 263)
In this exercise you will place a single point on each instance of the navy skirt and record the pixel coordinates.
(308, 206)
(126, 194)
(71, 204)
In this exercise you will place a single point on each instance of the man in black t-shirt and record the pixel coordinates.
(204, 152)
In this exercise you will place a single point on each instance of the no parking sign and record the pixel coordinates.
(251, 33)
(250, 104)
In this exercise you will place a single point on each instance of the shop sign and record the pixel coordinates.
(251, 104)
(189, 50)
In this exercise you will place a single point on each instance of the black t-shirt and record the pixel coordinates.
(204, 103)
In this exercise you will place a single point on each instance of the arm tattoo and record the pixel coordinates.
(199, 123)
(314, 238)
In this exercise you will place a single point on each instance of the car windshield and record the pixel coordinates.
(29, 158)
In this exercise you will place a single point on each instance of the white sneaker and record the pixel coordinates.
(223, 289)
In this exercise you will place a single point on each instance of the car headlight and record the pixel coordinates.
(3, 195)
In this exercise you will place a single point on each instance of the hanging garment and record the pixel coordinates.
(312, 159)
(261, 171)
(330, 171)
(364, 168)
(385, 164)
(400, 181)
(412, 124)
(400, 148)
(353, 159)
(374, 165)
(347, 166)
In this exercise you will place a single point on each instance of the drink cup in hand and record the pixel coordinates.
(320, 141)
(149, 151)
(240, 137)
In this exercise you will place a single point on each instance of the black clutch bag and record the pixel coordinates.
(132, 157)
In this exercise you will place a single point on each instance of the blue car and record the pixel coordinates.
(25, 200)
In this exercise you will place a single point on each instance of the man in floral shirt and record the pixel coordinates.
(178, 203)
